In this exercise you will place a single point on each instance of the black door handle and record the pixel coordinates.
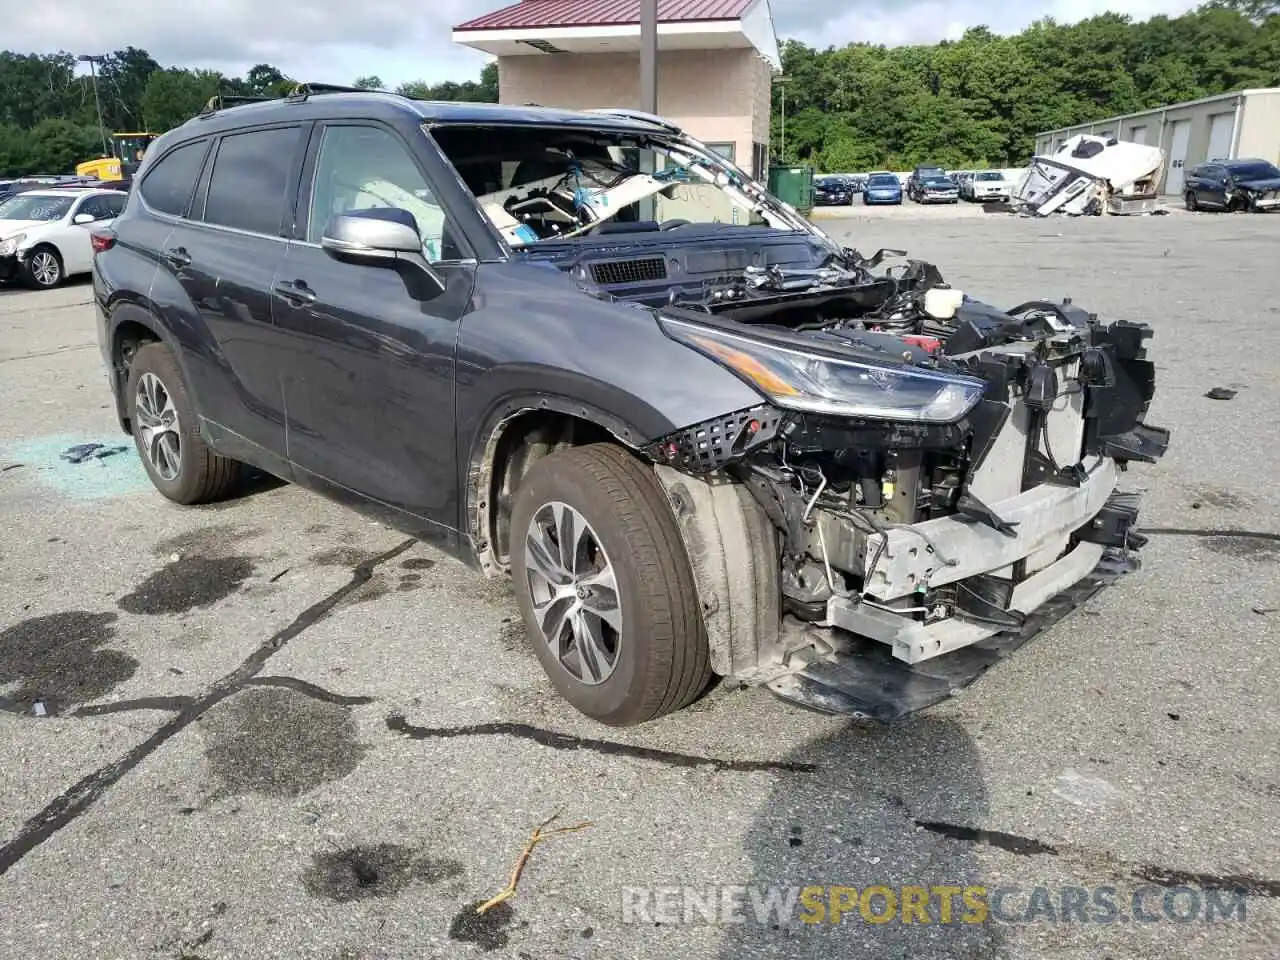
(176, 257)
(295, 292)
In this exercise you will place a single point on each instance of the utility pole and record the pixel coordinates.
(649, 56)
(782, 148)
(93, 59)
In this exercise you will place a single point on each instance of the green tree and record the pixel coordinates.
(56, 146)
(484, 91)
(174, 96)
(370, 83)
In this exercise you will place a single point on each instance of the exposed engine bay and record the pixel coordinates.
(938, 469)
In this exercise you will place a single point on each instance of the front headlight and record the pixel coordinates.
(813, 383)
(9, 247)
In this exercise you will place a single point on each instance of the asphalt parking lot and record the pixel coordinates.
(275, 729)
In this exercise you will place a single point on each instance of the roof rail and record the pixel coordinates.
(301, 91)
(219, 102)
(628, 114)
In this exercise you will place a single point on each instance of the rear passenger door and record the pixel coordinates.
(369, 383)
(226, 255)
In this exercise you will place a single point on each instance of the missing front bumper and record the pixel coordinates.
(861, 677)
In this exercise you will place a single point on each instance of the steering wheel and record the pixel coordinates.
(672, 224)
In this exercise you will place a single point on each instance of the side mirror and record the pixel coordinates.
(83, 218)
(383, 237)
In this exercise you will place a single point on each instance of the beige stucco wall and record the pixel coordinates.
(719, 96)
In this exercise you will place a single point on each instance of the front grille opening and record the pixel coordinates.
(629, 271)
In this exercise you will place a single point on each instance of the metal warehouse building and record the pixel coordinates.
(1241, 124)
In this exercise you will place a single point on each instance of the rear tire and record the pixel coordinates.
(656, 659)
(167, 435)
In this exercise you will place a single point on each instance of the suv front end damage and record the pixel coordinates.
(929, 482)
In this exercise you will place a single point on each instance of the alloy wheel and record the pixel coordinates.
(45, 268)
(574, 592)
(158, 426)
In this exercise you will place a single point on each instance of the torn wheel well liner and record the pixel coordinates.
(135, 329)
(516, 435)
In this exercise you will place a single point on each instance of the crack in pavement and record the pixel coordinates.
(1184, 532)
(611, 748)
(47, 353)
(78, 798)
(311, 690)
(1160, 876)
(141, 703)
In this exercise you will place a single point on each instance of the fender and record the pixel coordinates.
(477, 476)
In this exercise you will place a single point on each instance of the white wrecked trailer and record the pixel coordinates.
(1091, 176)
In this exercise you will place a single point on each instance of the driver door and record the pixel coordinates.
(369, 384)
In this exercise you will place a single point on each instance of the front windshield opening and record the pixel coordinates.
(990, 176)
(551, 184)
(883, 180)
(29, 206)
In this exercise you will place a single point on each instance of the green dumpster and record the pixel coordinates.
(793, 185)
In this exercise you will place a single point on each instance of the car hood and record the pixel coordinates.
(9, 228)
(1260, 183)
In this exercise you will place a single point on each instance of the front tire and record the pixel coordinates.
(604, 586)
(43, 268)
(1190, 200)
(166, 433)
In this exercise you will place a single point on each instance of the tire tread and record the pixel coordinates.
(212, 475)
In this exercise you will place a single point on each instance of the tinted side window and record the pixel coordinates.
(168, 185)
(249, 187)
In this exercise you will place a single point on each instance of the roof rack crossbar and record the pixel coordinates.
(220, 102)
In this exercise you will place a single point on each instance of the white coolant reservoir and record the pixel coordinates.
(942, 304)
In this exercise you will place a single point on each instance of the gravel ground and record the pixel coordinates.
(275, 729)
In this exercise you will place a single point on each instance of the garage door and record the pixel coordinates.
(1181, 137)
(1220, 125)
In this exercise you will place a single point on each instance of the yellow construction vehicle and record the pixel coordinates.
(127, 148)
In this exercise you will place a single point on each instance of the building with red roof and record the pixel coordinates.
(716, 62)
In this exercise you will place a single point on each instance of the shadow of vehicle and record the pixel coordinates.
(251, 483)
(854, 825)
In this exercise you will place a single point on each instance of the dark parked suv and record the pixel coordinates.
(1233, 185)
(584, 350)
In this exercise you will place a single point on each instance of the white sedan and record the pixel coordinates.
(45, 234)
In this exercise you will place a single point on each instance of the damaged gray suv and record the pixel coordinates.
(584, 350)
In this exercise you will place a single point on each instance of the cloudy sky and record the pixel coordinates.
(339, 40)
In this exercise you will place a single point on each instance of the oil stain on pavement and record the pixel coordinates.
(488, 931)
(367, 872)
(277, 742)
(1244, 548)
(187, 583)
(58, 659)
